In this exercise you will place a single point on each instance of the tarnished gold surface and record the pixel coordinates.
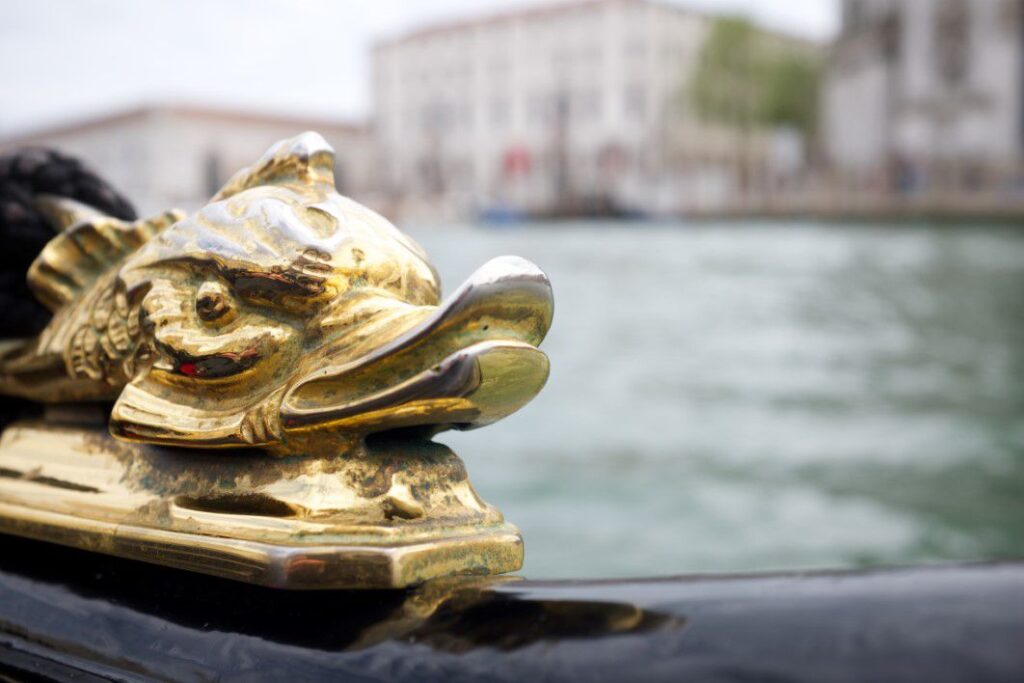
(281, 317)
(387, 516)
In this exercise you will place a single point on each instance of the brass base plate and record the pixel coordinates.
(293, 523)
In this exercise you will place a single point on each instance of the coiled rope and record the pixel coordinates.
(24, 231)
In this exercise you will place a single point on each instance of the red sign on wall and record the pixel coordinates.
(517, 161)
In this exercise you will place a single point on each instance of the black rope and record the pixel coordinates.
(24, 231)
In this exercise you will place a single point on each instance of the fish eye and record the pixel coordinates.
(214, 304)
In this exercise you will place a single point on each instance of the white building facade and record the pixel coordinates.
(164, 157)
(926, 94)
(569, 106)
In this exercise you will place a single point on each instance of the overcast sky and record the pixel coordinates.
(62, 59)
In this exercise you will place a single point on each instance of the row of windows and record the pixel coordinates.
(950, 36)
(547, 29)
(543, 111)
(592, 57)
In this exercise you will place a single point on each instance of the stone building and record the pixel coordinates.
(175, 156)
(555, 107)
(926, 95)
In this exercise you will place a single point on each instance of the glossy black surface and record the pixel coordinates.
(71, 615)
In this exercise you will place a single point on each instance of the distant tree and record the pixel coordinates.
(727, 86)
(791, 93)
(747, 80)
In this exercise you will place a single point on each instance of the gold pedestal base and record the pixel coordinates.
(384, 517)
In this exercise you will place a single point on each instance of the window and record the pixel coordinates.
(952, 40)
(213, 177)
(853, 14)
(500, 113)
(892, 30)
(540, 109)
(635, 102)
(587, 105)
(437, 117)
(635, 48)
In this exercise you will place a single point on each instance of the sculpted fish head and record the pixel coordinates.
(286, 316)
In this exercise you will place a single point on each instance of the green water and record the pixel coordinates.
(736, 397)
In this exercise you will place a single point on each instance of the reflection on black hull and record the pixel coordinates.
(68, 614)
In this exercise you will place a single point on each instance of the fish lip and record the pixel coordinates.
(497, 278)
(461, 379)
(505, 286)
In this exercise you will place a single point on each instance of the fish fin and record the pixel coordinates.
(63, 213)
(73, 260)
(103, 345)
(304, 159)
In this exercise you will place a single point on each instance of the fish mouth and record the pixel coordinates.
(471, 362)
(217, 366)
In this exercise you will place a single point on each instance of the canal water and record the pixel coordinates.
(758, 396)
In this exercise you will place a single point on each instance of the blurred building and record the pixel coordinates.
(566, 108)
(926, 95)
(173, 156)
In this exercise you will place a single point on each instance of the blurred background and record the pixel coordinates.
(786, 238)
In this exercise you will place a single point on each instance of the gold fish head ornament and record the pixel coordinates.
(282, 315)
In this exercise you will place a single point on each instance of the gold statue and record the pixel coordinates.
(285, 317)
